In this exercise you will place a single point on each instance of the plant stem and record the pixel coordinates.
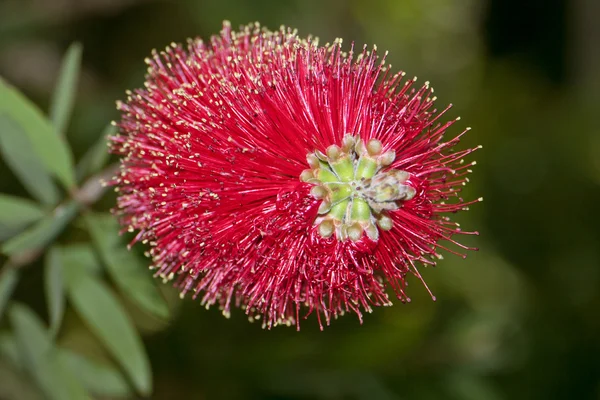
(90, 192)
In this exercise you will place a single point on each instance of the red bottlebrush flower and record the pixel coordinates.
(284, 177)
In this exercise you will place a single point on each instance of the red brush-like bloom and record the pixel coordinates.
(286, 177)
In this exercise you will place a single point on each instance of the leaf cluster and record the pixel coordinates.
(92, 282)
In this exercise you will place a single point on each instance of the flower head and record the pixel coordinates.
(284, 177)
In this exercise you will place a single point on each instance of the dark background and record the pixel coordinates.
(516, 320)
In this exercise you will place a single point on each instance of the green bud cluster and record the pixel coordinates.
(354, 190)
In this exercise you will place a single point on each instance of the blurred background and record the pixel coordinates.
(515, 320)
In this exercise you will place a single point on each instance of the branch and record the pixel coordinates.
(95, 186)
(90, 192)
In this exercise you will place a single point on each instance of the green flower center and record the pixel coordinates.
(356, 194)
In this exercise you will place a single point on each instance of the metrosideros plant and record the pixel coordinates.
(271, 173)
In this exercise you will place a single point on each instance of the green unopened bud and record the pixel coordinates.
(385, 223)
(354, 232)
(312, 160)
(374, 147)
(343, 168)
(355, 193)
(348, 143)
(366, 168)
(324, 207)
(338, 211)
(326, 228)
(333, 152)
(307, 175)
(318, 192)
(339, 191)
(360, 210)
(325, 175)
(372, 232)
(386, 158)
(360, 147)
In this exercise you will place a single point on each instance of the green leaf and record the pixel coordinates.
(125, 268)
(14, 383)
(43, 232)
(97, 155)
(55, 293)
(100, 379)
(8, 280)
(81, 255)
(18, 153)
(9, 350)
(39, 357)
(104, 315)
(50, 148)
(63, 97)
(18, 211)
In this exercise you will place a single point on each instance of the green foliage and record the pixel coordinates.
(125, 269)
(53, 280)
(52, 151)
(8, 281)
(34, 148)
(18, 153)
(100, 379)
(64, 93)
(100, 309)
(16, 213)
(43, 232)
(39, 356)
(9, 350)
(82, 256)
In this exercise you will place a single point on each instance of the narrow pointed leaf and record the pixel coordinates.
(14, 384)
(63, 97)
(9, 350)
(125, 268)
(82, 255)
(39, 357)
(16, 214)
(55, 294)
(53, 152)
(17, 211)
(97, 155)
(8, 280)
(42, 232)
(18, 153)
(104, 315)
(100, 379)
